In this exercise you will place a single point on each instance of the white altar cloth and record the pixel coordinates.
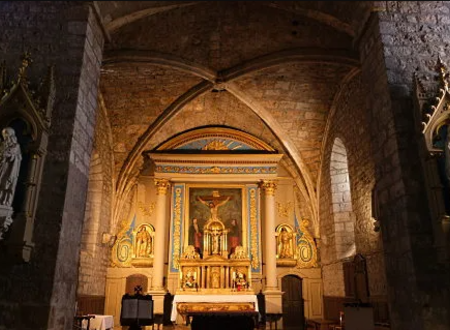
(211, 298)
(100, 322)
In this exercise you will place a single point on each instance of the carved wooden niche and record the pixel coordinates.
(432, 113)
(27, 110)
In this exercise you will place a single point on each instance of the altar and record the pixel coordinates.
(189, 304)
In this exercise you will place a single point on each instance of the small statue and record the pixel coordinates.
(190, 281)
(216, 232)
(10, 159)
(143, 243)
(239, 253)
(285, 244)
(190, 253)
(240, 281)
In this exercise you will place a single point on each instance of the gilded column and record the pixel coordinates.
(269, 187)
(162, 186)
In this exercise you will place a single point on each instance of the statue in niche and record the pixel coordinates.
(285, 244)
(10, 159)
(240, 283)
(190, 281)
(143, 243)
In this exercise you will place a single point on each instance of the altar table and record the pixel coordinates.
(100, 322)
(235, 298)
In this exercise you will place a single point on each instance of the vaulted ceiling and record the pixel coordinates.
(270, 68)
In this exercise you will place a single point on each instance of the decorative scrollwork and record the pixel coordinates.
(254, 229)
(306, 248)
(147, 211)
(284, 209)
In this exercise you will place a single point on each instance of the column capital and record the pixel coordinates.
(268, 186)
(161, 186)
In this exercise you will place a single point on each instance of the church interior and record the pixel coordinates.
(284, 159)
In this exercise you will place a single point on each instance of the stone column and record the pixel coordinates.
(271, 292)
(160, 234)
(158, 290)
(269, 234)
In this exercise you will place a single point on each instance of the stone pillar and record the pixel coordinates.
(158, 290)
(73, 44)
(415, 276)
(272, 293)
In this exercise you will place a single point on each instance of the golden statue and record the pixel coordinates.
(143, 243)
(285, 250)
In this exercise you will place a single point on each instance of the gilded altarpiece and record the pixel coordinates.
(237, 207)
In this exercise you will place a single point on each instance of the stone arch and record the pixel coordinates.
(341, 200)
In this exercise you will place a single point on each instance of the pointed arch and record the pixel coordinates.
(341, 200)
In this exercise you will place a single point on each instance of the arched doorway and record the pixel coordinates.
(293, 308)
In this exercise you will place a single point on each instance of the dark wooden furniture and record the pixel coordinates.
(79, 321)
(273, 319)
(322, 324)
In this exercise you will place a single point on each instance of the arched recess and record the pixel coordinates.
(341, 199)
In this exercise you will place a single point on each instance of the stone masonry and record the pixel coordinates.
(41, 294)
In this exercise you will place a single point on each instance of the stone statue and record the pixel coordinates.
(10, 159)
(143, 243)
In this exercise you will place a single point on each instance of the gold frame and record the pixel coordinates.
(244, 213)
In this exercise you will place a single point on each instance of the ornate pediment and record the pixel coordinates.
(215, 139)
(18, 96)
(25, 112)
(433, 107)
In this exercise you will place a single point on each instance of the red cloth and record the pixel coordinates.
(198, 240)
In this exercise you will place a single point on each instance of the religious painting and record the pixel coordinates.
(207, 204)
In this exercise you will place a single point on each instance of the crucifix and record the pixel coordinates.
(213, 202)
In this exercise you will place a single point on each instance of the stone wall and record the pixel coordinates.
(346, 183)
(41, 293)
(401, 37)
(95, 254)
